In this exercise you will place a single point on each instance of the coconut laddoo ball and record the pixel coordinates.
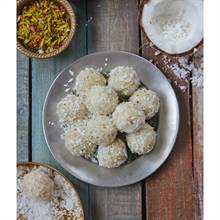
(101, 100)
(127, 118)
(142, 141)
(77, 141)
(71, 108)
(112, 155)
(37, 185)
(86, 79)
(124, 80)
(147, 100)
(101, 130)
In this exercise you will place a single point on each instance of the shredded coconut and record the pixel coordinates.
(64, 201)
(71, 72)
(157, 53)
(67, 90)
(188, 68)
(175, 27)
(70, 80)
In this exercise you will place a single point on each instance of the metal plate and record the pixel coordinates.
(142, 167)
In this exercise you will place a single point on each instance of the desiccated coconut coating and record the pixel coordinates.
(147, 100)
(124, 80)
(77, 141)
(101, 130)
(71, 108)
(86, 79)
(101, 100)
(37, 185)
(142, 141)
(112, 155)
(128, 118)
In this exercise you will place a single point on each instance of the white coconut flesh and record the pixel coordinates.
(174, 26)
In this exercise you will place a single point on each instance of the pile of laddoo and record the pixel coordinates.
(106, 116)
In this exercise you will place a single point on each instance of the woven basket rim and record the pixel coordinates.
(71, 13)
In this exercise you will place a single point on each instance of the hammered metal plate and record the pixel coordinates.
(140, 168)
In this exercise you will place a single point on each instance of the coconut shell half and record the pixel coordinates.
(173, 26)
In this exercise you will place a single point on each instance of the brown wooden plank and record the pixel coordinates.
(114, 26)
(22, 107)
(197, 98)
(169, 191)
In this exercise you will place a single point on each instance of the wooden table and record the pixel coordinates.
(174, 192)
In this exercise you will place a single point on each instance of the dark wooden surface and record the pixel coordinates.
(174, 192)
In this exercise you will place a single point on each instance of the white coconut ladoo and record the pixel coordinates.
(174, 26)
(142, 141)
(147, 100)
(124, 80)
(112, 155)
(128, 118)
(86, 79)
(77, 140)
(101, 130)
(37, 185)
(71, 108)
(101, 100)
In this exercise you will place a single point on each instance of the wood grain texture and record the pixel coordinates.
(22, 107)
(197, 101)
(114, 26)
(169, 191)
(43, 74)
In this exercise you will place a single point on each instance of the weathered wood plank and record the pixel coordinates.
(197, 98)
(43, 73)
(22, 107)
(169, 191)
(114, 26)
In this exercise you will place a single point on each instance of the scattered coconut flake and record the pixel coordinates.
(90, 19)
(67, 90)
(188, 68)
(157, 53)
(106, 59)
(66, 85)
(183, 88)
(195, 50)
(164, 56)
(100, 69)
(71, 72)
(151, 44)
(51, 123)
(197, 78)
(70, 80)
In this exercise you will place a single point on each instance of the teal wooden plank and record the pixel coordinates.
(22, 107)
(113, 25)
(43, 73)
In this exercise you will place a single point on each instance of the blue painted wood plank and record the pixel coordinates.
(22, 107)
(43, 73)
